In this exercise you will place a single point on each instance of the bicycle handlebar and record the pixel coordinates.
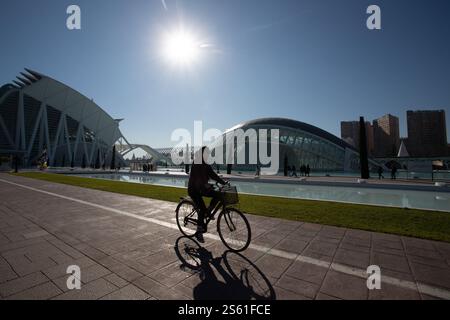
(218, 184)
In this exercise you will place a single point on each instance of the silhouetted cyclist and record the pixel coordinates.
(198, 187)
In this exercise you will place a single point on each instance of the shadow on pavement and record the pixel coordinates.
(239, 278)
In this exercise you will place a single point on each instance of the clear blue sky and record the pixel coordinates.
(310, 60)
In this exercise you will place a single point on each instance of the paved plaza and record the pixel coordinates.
(130, 248)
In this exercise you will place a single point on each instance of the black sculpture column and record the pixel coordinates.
(363, 159)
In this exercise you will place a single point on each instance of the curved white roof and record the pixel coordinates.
(72, 103)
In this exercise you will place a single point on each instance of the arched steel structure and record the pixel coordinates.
(155, 156)
(302, 144)
(38, 113)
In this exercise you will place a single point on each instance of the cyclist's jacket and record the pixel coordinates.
(199, 177)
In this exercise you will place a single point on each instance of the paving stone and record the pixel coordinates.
(389, 261)
(170, 275)
(273, 266)
(352, 258)
(61, 269)
(424, 253)
(439, 277)
(321, 247)
(6, 273)
(93, 272)
(391, 292)
(23, 283)
(116, 280)
(185, 290)
(317, 256)
(387, 244)
(61, 283)
(120, 269)
(443, 248)
(20, 244)
(41, 292)
(357, 240)
(283, 294)
(418, 243)
(427, 297)
(300, 287)
(158, 290)
(67, 249)
(344, 286)
(129, 292)
(92, 291)
(358, 234)
(290, 245)
(323, 296)
(331, 240)
(306, 271)
(35, 234)
(440, 263)
(268, 239)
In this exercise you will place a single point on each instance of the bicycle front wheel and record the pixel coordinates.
(234, 229)
(187, 218)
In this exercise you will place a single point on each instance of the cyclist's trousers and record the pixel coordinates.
(198, 200)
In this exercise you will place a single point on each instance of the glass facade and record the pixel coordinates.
(299, 144)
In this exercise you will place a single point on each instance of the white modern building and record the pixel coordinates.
(40, 115)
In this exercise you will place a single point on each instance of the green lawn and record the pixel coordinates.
(415, 223)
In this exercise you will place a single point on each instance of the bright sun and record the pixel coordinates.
(181, 48)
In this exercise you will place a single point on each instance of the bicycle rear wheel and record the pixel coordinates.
(187, 217)
(234, 229)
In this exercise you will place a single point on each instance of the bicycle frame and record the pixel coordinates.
(210, 215)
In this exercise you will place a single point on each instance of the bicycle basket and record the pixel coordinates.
(229, 195)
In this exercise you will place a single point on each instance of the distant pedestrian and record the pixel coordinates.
(308, 170)
(380, 173)
(302, 170)
(394, 172)
(294, 171)
(258, 170)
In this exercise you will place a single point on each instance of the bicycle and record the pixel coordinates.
(232, 225)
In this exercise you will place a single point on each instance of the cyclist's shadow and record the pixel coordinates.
(242, 280)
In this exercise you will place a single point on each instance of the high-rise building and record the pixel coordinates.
(350, 134)
(386, 136)
(427, 133)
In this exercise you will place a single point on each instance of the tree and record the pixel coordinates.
(113, 158)
(363, 159)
